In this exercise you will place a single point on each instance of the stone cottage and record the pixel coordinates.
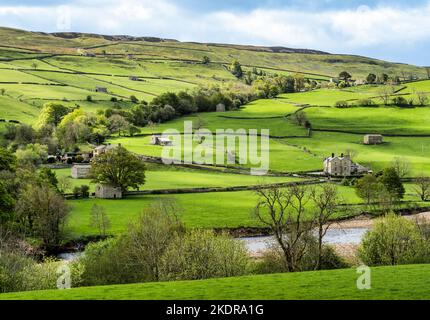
(108, 191)
(373, 139)
(80, 171)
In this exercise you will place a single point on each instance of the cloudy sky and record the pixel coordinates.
(394, 30)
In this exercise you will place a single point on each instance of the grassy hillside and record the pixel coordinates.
(400, 282)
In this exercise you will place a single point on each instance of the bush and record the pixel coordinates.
(394, 240)
(341, 104)
(201, 254)
(103, 263)
(401, 102)
(366, 102)
(273, 260)
(12, 269)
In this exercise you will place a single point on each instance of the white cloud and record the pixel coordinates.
(343, 30)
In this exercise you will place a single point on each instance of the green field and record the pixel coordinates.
(409, 282)
(197, 210)
(164, 177)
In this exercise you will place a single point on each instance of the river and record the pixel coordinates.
(333, 236)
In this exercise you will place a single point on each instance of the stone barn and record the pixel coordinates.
(108, 191)
(160, 141)
(373, 139)
(101, 89)
(80, 171)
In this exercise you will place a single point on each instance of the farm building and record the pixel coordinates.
(342, 166)
(160, 141)
(80, 171)
(102, 149)
(133, 78)
(107, 191)
(101, 89)
(89, 54)
(373, 139)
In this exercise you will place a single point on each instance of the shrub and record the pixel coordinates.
(366, 102)
(273, 260)
(89, 98)
(201, 254)
(401, 102)
(12, 267)
(341, 104)
(103, 263)
(393, 240)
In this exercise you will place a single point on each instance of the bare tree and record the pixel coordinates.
(300, 118)
(422, 187)
(422, 98)
(326, 200)
(283, 211)
(402, 166)
(351, 153)
(99, 219)
(385, 94)
(64, 184)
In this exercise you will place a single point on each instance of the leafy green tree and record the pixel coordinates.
(367, 188)
(392, 183)
(393, 240)
(118, 124)
(32, 154)
(345, 76)
(134, 99)
(236, 69)
(2, 91)
(51, 114)
(7, 160)
(371, 78)
(206, 60)
(118, 167)
(48, 176)
(42, 212)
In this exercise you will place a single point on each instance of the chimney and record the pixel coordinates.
(341, 155)
(332, 155)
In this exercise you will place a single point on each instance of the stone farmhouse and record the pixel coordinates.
(80, 171)
(373, 139)
(342, 166)
(108, 191)
(160, 141)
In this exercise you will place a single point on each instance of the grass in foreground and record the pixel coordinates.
(400, 282)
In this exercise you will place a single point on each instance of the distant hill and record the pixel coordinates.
(275, 59)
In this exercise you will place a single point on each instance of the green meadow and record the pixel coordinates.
(197, 210)
(407, 282)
